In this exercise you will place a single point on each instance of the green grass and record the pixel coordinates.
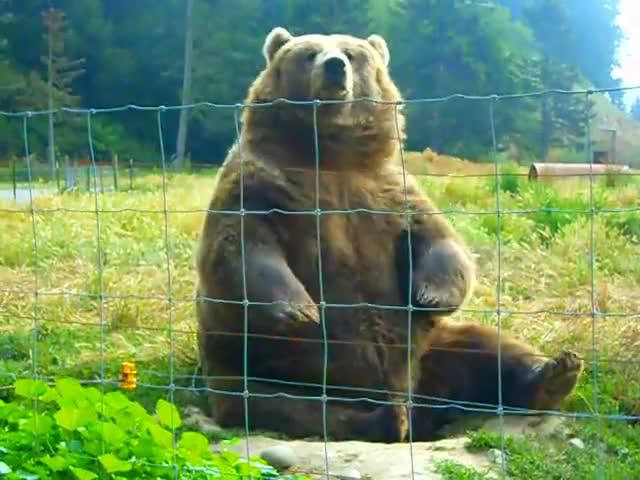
(545, 269)
(534, 458)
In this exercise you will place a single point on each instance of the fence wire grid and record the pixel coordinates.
(409, 398)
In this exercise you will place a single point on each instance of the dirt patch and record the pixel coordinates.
(374, 461)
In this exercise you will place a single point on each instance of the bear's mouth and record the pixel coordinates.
(329, 93)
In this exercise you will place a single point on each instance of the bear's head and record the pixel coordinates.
(360, 112)
(325, 67)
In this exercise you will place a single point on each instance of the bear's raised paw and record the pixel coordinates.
(558, 377)
(297, 313)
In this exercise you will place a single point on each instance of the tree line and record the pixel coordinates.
(107, 53)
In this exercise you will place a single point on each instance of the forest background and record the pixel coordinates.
(109, 53)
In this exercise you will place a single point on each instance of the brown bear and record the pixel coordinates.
(318, 250)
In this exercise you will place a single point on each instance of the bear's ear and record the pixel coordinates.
(380, 45)
(276, 39)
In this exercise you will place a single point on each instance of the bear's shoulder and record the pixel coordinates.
(249, 181)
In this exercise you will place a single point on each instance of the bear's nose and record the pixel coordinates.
(335, 70)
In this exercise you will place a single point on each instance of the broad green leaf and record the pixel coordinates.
(168, 414)
(69, 418)
(93, 395)
(74, 446)
(70, 391)
(133, 417)
(56, 463)
(82, 474)
(230, 456)
(193, 447)
(113, 435)
(163, 438)
(30, 388)
(11, 412)
(115, 404)
(4, 468)
(40, 424)
(112, 464)
(67, 385)
(248, 469)
(194, 441)
(144, 447)
(93, 447)
(139, 414)
(51, 395)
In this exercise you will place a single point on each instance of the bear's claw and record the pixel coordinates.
(562, 369)
(396, 423)
(299, 313)
(444, 300)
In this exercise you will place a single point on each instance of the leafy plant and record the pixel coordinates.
(71, 431)
(510, 180)
(451, 470)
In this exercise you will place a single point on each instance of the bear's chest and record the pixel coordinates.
(345, 243)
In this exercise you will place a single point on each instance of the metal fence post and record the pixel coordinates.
(115, 172)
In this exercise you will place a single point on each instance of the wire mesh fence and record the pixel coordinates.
(170, 377)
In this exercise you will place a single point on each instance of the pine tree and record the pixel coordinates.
(10, 84)
(563, 117)
(10, 80)
(61, 72)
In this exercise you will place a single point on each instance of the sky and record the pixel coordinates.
(629, 52)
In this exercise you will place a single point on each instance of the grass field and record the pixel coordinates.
(545, 276)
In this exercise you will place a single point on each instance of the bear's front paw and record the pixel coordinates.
(296, 312)
(439, 298)
(396, 423)
(444, 277)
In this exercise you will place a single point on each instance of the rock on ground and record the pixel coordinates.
(375, 461)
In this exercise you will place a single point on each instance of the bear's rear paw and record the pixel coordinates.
(558, 377)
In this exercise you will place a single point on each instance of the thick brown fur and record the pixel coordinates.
(458, 376)
(364, 258)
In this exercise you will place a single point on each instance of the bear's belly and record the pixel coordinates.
(366, 326)
(355, 273)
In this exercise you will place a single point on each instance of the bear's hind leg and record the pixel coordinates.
(461, 367)
(269, 410)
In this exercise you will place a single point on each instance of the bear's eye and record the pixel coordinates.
(311, 56)
(349, 55)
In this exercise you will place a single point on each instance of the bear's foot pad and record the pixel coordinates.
(558, 378)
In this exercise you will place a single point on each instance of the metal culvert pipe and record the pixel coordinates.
(556, 170)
